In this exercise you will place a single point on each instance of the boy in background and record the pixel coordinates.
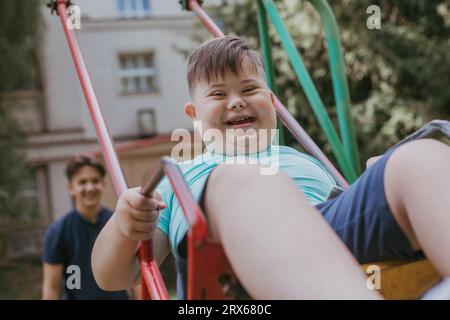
(69, 240)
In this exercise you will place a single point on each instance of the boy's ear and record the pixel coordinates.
(272, 97)
(70, 188)
(189, 110)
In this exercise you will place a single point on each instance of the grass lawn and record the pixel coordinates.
(21, 280)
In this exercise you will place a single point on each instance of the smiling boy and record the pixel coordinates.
(285, 218)
(69, 240)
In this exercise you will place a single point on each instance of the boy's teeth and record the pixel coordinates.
(239, 121)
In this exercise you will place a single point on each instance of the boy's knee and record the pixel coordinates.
(431, 145)
(425, 146)
(415, 160)
(423, 152)
(229, 180)
(225, 185)
(236, 175)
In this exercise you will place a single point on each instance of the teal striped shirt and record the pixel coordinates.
(308, 173)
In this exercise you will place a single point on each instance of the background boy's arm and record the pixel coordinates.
(51, 285)
(114, 262)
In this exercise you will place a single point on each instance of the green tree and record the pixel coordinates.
(398, 75)
(17, 72)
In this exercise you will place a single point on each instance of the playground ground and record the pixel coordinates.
(22, 279)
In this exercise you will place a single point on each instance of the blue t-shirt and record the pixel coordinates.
(309, 175)
(69, 241)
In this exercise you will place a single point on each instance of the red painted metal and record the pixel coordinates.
(112, 162)
(305, 140)
(193, 214)
(210, 275)
(136, 144)
(191, 210)
(153, 281)
(205, 19)
(205, 260)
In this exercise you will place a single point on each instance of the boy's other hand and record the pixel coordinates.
(137, 215)
(372, 160)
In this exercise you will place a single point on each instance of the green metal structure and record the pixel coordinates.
(344, 147)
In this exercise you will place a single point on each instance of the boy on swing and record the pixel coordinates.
(398, 209)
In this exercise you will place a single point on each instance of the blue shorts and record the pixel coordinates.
(360, 216)
(363, 220)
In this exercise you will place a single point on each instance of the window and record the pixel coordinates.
(30, 194)
(137, 73)
(133, 8)
(34, 195)
(147, 123)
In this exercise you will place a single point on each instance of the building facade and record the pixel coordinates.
(135, 52)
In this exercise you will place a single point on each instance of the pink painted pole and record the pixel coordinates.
(151, 279)
(305, 140)
(205, 19)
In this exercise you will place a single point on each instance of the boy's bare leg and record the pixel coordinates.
(417, 184)
(278, 244)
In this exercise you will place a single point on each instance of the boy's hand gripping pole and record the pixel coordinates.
(152, 284)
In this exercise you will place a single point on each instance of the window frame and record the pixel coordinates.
(129, 9)
(142, 72)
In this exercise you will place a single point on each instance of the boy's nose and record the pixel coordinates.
(90, 186)
(236, 103)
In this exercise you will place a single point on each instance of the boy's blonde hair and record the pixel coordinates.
(215, 57)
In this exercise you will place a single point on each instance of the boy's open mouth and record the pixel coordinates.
(241, 121)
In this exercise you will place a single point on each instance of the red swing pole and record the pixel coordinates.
(293, 126)
(152, 283)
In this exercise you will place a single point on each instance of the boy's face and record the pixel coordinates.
(235, 101)
(87, 186)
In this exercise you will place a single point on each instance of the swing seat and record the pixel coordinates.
(405, 281)
(214, 279)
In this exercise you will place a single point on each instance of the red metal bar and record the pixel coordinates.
(305, 140)
(135, 144)
(112, 162)
(289, 121)
(205, 19)
(190, 207)
(192, 212)
(153, 282)
(194, 216)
